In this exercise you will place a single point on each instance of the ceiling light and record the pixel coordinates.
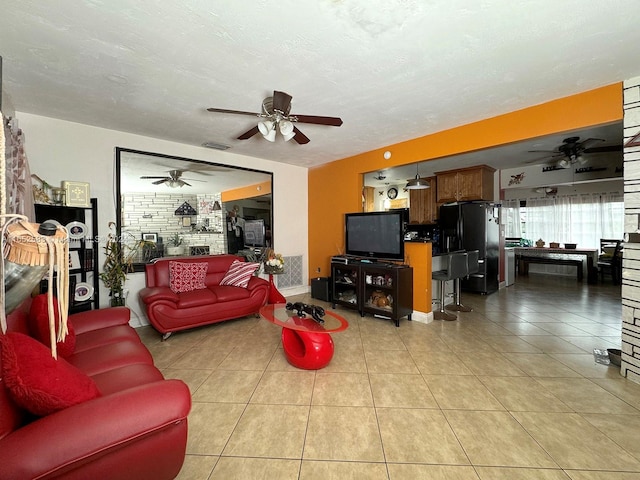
(564, 163)
(286, 127)
(266, 128)
(271, 136)
(581, 160)
(174, 183)
(417, 183)
(288, 136)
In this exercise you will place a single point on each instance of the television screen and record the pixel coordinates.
(254, 233)
(378, 235)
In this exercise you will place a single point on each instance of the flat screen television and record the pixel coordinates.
(375, 235)
(254, 233)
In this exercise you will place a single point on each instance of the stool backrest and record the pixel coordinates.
(472, 260)
(457, 265)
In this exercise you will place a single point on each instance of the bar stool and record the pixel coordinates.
(472, 267)
(456, 268)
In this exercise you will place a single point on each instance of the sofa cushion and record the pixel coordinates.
(107, 357)
(196, 298)
(186, 277)
(239, 274)
(226, 293)
(38, 382)
(39, 325)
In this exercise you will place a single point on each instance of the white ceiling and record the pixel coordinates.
(393, 70)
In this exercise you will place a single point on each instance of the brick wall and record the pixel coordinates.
(631, 254)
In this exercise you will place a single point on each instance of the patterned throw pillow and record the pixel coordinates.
(239, 273)
(186, 277)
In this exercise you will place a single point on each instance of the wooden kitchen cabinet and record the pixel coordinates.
(422, 204)
(465, 184)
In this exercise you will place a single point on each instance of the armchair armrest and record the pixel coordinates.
(96, 319)
(257, 282)
(153, 294)
(74, 435)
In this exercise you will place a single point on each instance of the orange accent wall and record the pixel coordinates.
(250, 191)
(418, 255)
(336, 188)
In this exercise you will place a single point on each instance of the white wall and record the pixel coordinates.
(58, 150)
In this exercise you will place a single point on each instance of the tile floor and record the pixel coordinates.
(510, 391)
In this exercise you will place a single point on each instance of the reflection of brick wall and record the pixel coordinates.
(631, 253)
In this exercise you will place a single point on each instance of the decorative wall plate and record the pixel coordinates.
(83, 292)
(77, 230)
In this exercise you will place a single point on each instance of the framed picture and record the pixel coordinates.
(74, 260)
(150, 237)
(76, 194)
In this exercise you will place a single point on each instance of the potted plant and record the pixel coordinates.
(118, 262)
(174, 245)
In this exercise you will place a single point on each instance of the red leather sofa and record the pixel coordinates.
(170, 312)
(136, 427)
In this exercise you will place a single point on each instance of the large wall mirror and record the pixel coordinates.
(190, 207)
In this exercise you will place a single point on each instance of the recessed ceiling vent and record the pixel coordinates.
(216, 146)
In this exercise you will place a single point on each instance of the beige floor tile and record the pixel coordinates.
(228, 386)
(418, 436)
(269, 431)
(193, 378)
(429, 342)
(248, 358)
(342, 389)
(347, 359)
(386, 341)
(165, 355)
(622, 388)
(622, 429)
(325, 470)
(343, 433)
(525, 329)
(285, 388)
(461, 343)
(584, 396)
(497, 439)
(574, 443)
(603, 475)
(510, 344)
(400, 471)
(390, 361)
(197, 466)
(501, 473)
(401, 390)
(585, 365)
(200, 358)
(523, 394)
(541, 365)
(211, 425)
(461, 392)
(588, 343)
(440, 363)
(490, 363)
(552, 344)
(230, 468)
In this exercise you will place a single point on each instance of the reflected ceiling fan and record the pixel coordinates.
(572, 151)
(173, 180)
(277, 116)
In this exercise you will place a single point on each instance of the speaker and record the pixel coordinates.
(320, 288)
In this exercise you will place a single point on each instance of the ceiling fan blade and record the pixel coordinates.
(545, 151)
(222, 110)
(610, 148)
(544, 159)
(282, 101)
(151, 178)
(185, 183)
(589, 141)
(300, 137)
(333, 121)
(160, 182)
(249, 133)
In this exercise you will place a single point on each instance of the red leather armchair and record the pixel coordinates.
(136, 428)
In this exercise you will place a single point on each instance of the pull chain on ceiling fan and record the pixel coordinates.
(275, 111)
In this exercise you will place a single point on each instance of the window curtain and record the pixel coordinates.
(581, 219)
(511, 218)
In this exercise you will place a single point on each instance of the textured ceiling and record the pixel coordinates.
(392, 70)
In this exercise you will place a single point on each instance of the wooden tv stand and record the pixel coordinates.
(381, 289)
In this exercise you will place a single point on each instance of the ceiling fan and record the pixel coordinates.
(572, 151)
(174, 180)
(276, 114)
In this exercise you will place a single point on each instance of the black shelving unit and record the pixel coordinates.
(381, 289)
(86, 248)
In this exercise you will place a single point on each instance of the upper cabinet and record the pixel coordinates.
(422, 204)
(465, 184)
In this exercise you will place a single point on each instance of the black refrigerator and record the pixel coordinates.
(473, 226)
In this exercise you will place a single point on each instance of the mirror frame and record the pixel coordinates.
(139, 267)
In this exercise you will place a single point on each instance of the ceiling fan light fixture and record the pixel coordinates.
(564, 163)
(266, 128)
(288, 136)
(270, 136)
(286, 127)
(581, 160)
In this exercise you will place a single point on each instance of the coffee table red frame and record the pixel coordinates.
(307, 344)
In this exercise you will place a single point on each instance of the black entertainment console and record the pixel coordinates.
(383, 289)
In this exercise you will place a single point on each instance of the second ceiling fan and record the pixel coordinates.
(572, 151)
(277, 116)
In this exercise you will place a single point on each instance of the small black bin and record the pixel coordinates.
(320, 288)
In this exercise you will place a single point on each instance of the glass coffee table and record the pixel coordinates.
(307, 344)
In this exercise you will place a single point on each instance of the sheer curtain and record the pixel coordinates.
(583, 219)
(511, 218)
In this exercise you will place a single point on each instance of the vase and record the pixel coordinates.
(117, 299)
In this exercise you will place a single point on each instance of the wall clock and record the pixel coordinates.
(392, 193)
